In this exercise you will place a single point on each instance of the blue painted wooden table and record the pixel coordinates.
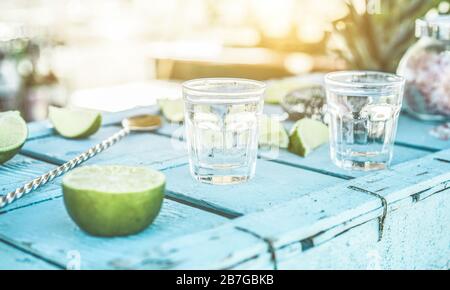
(298, 213)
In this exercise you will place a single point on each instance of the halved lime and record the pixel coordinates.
(272, 133)
(13, 134)
(75, 123)
(172, 109)
(307, 135)
(113, 200)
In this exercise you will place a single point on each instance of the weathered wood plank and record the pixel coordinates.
(239, 245)
(318, 219)
(13, 259)
(223, 247)
(274, 184)
(413, 239)
(311, 217)
(51, 234)
(136, 149)
(39, 129)
(320, 160)
(20, 170)
(403, 181)
(408, 179)
(415, 133)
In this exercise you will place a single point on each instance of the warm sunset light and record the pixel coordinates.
(224, 135)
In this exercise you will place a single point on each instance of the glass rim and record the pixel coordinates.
(258, 87)
(390, 80)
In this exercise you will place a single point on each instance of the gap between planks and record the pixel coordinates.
(308, 241)
(287, 163)
(169, 195)
(193, 203)
(205, 208)
(417, 147)
(308, 168)
(174, 196)
(30, 252)
(317, 170)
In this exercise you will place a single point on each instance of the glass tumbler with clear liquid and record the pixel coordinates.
(363, 109)
(221, 119)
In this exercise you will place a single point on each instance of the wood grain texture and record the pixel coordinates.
(415, 133)
(320, 160)
(402, 188)
(309, 215)
(20, 170)
(289, 217)
(13, 259)
(223, 247)
(272, 185)
(135, 149)
(51, 233)
(409, 179)
(342, 217)
(402, 182)
(39, 129)
(414, 239)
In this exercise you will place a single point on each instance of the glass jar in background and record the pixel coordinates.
(426, 68)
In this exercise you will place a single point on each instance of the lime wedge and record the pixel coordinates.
(113, 200)
(13, 134)
(272, 133)
(173, 110)
(75, 123)
(307, 135)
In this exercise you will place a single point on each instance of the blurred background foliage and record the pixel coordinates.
(376, 39)
(115, 54)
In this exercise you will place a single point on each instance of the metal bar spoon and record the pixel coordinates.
(141, 123)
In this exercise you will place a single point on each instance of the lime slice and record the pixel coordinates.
(272, 133)
(307, 135)
(173, 110)
(13, 134)
(113, 200)
(75, 123)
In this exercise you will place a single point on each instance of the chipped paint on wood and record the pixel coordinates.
(297, 213)
(51, 233)
(12, 259)
(272, 185)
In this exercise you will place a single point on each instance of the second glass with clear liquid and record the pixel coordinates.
(363, 108)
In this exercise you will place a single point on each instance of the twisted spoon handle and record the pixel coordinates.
(49, 176)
